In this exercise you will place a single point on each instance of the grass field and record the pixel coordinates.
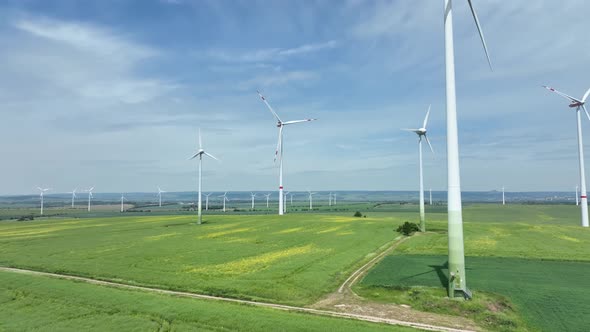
(537, 256)
(294, 259)
(35, 303)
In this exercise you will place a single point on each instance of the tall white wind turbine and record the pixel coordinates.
(577, 104)
(200, 154)
(457, 279)
(577, 198)
(279, 150)
(89, 191)
(41, 192)
(207, 201)
(421, 132)
(311, 199)
(73, 192)
(160, 192)
(503, 197)
(267, 198)
(253, 195)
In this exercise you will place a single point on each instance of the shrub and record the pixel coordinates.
(358, 214)
(408, 228)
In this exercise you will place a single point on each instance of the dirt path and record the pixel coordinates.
(345, 300)
(367, 316)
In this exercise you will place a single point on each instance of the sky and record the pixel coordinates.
(111, 93)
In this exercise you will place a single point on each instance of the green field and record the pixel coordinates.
(294, 259)
(35, 303)
(537, 256)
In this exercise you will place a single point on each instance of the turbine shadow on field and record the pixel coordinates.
(440, 272)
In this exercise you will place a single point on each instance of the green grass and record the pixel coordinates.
(550, 295)
(292, 259)
(34, 303)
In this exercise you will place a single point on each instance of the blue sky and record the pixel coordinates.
(111, 93)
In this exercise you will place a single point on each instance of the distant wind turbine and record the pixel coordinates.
(200, 154)
(334, 198)
(577, 104)
(225, 199)
(89, 191)
(430, 196)
(421, 132)
(267, 198)
(279, 150)
(207, 201)
(73, 192)
(311, 199)
(160, 192)
(285, 202)
(503, 197)
(41, 192)
(253, 195)
(457, 278)
(122, 198)
(330, 199)
(577, 198)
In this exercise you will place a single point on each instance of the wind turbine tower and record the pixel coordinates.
(160, 192)
(225, 199)
(253, 195)
(421, 132)
(311, 200)
(122, 198)
(577, 198)
(577, 104)
(267, 198)
(457, 279)
(73, 192)
(330, 199)
(279, 150)
(285, 202)
(430, 196)
(207, 201)
(41, 192)
(89, 191)
(503, 197)
(200, 154)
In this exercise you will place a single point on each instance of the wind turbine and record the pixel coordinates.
(577, 200)
(311, 199)
(285, 202)
(73, 192)
(334, 199)
(503, 197)
(279, 150)
(267, 198)
(253, 195)
(330, 199)
(430, 196)
(224, 200)
(457, 280)
(421, 132)
(41, 191)
(160, 192)
(122, 198)
(200, 154)
(89, 191)
(207, 201)
(577, 104)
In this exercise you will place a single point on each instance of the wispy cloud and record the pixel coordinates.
(269, 54)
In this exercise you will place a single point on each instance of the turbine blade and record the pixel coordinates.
(426, 118)
(572, 99)
(409, 129)
(298, 121)
(210, 155)
(268, 105)
(428, 141)
(195, 156)
(585, 110)
(586, 95)
(483, 41)
(280, 140)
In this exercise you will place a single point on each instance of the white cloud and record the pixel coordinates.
(270, 54)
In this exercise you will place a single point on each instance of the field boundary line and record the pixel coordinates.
(318, 312)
